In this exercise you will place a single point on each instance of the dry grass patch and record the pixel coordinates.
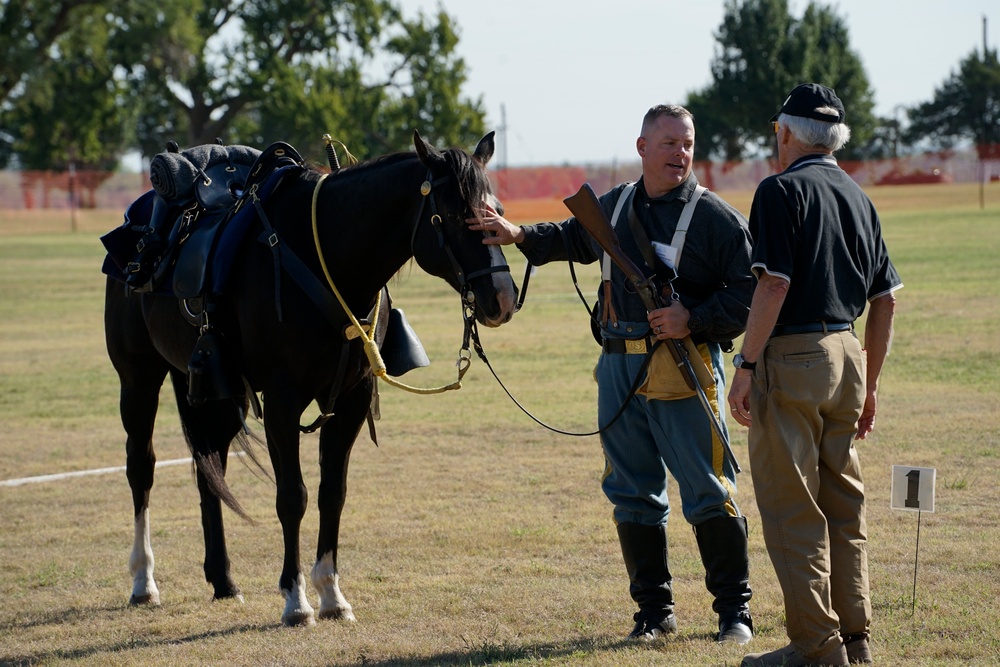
(471, 535)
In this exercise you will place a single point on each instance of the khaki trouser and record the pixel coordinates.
(806, 399)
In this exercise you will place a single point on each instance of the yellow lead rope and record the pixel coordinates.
(370, 346)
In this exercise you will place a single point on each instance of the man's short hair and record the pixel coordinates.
(662, 110)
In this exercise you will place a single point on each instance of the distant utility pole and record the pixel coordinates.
(979, 153)
(502, 166)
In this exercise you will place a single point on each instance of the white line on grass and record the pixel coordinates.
(96, 471)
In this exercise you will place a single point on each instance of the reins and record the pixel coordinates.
(481, 353)
(631, 392)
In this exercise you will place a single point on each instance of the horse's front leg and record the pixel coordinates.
(281, 425)
(336, 440)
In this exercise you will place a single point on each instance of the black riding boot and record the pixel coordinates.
(149, 249)
(644, 549)
(722, 542)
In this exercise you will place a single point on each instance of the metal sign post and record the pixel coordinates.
(913, 491)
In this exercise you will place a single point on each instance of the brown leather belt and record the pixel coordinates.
(628, 345)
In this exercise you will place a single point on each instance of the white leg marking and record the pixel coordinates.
(298, 611)
(332, 603)
(140, 564)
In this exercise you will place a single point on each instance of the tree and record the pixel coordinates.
(255, 71)
(245, 71)
(74, 113)
(965, 108)
(762, 53)
(421, 92)
(29, 29)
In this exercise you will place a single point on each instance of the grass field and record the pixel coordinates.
(473, 536)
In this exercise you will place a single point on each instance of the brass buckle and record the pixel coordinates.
(637, 346)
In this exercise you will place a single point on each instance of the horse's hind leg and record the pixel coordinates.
(209, 429)
(138, 411)
(336, 440)
(141, 371)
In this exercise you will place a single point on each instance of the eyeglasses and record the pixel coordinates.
(774, 125)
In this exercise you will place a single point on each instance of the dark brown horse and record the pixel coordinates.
(372, 218)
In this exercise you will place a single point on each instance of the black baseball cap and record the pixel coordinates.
(805, 99)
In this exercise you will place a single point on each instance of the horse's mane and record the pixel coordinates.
(473, 181)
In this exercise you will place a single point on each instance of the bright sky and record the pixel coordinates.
(576, 76)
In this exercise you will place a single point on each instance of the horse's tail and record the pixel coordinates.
(210, 467)
(207, 455)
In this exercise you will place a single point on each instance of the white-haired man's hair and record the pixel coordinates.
(817, 133)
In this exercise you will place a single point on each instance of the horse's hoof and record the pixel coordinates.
(147, 599)
(231, 592)
(337, 615)
(298, 620)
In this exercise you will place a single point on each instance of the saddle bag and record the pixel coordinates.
(212, 374)
(664, 380)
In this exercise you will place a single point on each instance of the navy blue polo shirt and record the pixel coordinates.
(815, 227)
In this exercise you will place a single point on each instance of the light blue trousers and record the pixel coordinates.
(653, 437)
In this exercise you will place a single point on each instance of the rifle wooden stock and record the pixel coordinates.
(587, 210)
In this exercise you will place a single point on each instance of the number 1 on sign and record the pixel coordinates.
(913, 488)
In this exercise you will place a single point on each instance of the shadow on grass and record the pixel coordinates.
(484, 652)
(132, 643)
(487, 653)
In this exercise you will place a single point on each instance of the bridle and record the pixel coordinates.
(437, 223)
(471, 333)
(468, 296)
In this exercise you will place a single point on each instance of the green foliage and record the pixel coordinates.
(29, 28)
(965, 107)
(763, 52)
(294, 71)
(76, 114)
(373, 118)
(136, 74)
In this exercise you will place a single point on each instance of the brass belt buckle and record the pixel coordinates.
(635, 346)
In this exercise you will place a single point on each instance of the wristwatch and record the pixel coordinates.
(740, 362)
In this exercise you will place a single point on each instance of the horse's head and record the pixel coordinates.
(445, 246)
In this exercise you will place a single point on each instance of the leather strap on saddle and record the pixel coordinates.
(278, 154)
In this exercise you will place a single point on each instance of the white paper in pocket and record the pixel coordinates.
(666, 253)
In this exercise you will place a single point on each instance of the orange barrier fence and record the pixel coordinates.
(116, 190)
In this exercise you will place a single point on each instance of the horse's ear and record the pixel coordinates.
(484, 151)
(425, 151)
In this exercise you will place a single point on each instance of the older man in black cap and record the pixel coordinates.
(802, 375)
